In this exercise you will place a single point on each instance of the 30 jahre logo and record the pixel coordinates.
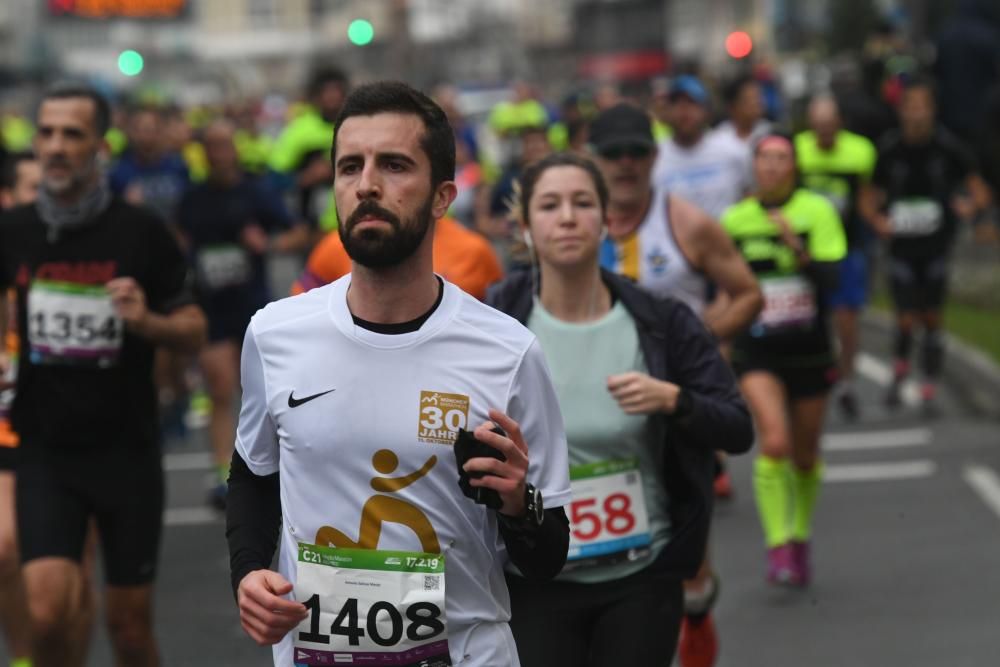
(441, 415)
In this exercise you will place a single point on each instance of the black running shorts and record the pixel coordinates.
(121, 488)
(8, 458)
(799, 382)
(228, 324)
(918, 284)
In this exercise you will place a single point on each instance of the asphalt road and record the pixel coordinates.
(906, 551)
(906, 548)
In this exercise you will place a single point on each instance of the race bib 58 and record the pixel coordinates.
(608, 520)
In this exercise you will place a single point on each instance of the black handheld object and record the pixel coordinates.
(468, 447)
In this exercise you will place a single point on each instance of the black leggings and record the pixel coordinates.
(630, 621)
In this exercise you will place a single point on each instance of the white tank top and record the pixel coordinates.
(651, 256)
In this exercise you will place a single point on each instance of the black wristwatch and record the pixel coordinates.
(534, 511)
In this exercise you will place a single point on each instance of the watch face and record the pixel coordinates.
(537, 502)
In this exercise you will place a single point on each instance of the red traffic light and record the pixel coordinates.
(739, 44)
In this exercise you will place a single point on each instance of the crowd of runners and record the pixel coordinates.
(490, 426)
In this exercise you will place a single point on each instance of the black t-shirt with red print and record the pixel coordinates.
(83, 381)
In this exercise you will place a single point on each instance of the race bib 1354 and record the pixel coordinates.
(72, 324)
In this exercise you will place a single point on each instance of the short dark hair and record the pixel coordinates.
(323, 76)
(732, 90)
(140, 108)
(438, 141)
(8, 170)
(65, 90)
(918, 82)
(529, 178)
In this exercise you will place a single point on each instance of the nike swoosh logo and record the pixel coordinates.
(296, 402)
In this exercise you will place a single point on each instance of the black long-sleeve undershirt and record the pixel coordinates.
(253, 522)
(539, 552)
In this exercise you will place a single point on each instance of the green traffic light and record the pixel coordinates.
(130, 62)
(360, 32)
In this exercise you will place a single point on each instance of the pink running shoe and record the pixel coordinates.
(780, 565)
(801, 563)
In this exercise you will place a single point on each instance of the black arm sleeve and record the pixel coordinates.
(539, 552)
(253, 519)
(824, 275)
(714, 413)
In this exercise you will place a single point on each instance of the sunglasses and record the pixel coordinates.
(635, 151)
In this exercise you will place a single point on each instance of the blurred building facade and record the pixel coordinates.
(203, 49)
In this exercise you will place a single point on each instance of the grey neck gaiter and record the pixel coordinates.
(60, 217)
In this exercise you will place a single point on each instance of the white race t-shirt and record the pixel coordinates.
(406, 394)
(727, 130)
(713, 175)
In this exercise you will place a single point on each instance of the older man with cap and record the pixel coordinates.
(710, 170)
(662, 241)
(671, 248)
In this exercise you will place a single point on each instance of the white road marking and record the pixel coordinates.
(876, 472)
(985, 483)
(880, 373)
(187, 462)
(887, 439)
(191, 516)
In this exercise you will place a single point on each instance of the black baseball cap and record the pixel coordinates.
(621, 126)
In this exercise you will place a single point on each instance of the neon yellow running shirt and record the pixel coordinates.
(791, 330)
(838, 174)
(307, 135)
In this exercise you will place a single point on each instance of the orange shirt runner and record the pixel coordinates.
(461, 256)
(7, 436)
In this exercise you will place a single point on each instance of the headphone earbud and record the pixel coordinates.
(527, 239)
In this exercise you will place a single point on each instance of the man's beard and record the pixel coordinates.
(377, 248)
(74, 181)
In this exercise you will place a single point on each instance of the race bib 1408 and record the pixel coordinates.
(72, 324)
(371, 607)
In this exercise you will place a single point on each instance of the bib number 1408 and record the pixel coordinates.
(371, 608)
(384, 623)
